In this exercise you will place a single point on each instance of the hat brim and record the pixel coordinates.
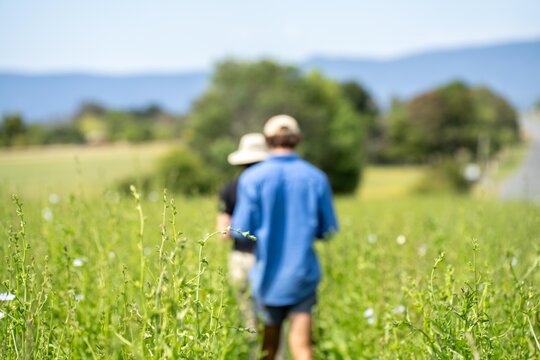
(245, 158)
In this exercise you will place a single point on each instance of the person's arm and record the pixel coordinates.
(328, 224)
(223, 221)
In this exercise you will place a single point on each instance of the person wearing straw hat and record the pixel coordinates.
(286, 203)
(251, 150)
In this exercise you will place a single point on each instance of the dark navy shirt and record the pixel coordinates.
(227, 203)
(286, 203)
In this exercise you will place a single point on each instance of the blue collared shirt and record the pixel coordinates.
(286, 203)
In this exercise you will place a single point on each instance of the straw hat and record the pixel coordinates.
(281, 125)
(252, 149)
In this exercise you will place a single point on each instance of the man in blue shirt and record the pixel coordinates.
(286, 203)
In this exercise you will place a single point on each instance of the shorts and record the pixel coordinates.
(275, 315)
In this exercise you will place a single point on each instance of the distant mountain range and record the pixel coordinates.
(511, 69)
(55, 96)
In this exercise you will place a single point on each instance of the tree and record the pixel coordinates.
(242, 96)
(63, 133)
(360, 98)
(90, 108)
(150, 111)
(365, 105)
(447, 120)
(12, 130)
(497, 119)
(458, 118)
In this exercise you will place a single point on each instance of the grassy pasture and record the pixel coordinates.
(96, 276)
(65, 169)
(384, 182)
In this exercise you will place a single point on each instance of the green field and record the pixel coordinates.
(66, 169)
(384, 182)
(407, 277)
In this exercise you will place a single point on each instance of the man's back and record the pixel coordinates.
(286, 203)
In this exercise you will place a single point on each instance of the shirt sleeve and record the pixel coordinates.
(328, 224)
(245, 212)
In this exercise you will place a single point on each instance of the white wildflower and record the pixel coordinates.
(369, 313)
(79, 297)
(78, 262)
(422, 250)
(7, 296)
(401, 239)
(54, 198)
(400, 309)
(112, 255)
(514, 261)
(47, 214)
(372, 238)
(2, 315)
(472, 172)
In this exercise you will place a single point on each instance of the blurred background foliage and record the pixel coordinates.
(242, 96)
(446, 120)
(445, 128)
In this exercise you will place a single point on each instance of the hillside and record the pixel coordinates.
(512, 69)
(53, 96)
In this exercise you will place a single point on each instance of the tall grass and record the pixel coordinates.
(432, 278)
(98, 284)
(115, 277)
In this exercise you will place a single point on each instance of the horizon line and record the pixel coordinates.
(207, 70)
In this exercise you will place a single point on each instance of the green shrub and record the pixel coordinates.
(445, 175)
(217, 156)
(183, 171)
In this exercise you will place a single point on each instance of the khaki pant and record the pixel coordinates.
(240, 264)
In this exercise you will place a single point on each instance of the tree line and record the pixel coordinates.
(447, 127)
(93, 124)
(343, 126)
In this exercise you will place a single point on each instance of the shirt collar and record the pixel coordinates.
(288, 156)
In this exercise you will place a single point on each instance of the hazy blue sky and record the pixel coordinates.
(164, 35)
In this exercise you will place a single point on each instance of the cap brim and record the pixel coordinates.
(245, 158)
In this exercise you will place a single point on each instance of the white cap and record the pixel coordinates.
(252, 149)
(281, 125)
